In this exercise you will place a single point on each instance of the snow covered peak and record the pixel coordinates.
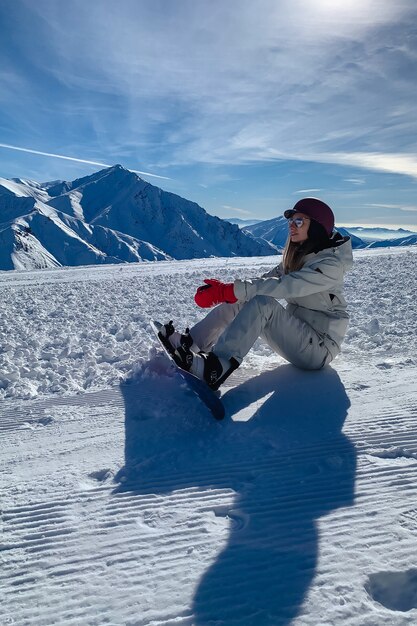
(111, 216)
(16, 187)
(114, 173)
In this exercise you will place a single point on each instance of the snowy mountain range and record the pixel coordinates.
(241, 222)
(275, 231)
(112, 216)
(369, 234)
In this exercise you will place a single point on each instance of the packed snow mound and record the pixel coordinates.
(112, 216)
(70, 330)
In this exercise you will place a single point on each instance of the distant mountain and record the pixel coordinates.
(112, 216)
(241, 223)
(371, 234)
(275, 231)
(410, 240)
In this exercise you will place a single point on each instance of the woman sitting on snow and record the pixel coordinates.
(308, 332)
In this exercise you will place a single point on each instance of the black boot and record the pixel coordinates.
(172, 339)
(212, 369)
(164, 333)
(182, 355)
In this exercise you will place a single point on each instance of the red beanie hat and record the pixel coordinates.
(317, 210)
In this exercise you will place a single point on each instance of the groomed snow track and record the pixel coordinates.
(260, 538)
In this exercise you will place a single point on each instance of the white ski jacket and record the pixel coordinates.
(314, 293)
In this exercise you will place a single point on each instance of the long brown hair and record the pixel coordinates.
(294, 253)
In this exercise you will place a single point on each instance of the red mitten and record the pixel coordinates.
(214, 292)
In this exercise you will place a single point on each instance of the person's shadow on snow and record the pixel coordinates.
(289, 465)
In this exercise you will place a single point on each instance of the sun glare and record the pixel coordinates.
(352, 9)
(338, 5)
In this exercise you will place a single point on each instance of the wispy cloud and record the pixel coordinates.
(193, 82)
(395, 163)
(384, 206)
(303, 191)
(398, 207)
(236, 210)
(68, 158)
(355, 181)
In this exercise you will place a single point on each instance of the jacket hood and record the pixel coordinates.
(339, 247)
(338, 239)
(342, 248)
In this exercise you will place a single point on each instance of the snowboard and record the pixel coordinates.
(199, 387)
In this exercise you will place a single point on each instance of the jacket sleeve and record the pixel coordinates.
(322, 276)
(276, 272)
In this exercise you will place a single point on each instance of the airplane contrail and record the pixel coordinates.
(67, 158)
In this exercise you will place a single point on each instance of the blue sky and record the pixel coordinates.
(243, 106)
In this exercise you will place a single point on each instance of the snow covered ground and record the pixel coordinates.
(124, 502)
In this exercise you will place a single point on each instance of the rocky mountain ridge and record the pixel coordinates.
(112, 216)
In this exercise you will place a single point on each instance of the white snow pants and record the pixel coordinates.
(230, 330)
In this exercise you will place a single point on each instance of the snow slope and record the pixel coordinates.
(123, 501)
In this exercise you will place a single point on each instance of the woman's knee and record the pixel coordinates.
(264, 304)
(227, 311)
(263, 300)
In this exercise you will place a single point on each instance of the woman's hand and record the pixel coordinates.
(214, 292)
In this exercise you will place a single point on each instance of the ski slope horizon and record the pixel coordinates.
(125, 502)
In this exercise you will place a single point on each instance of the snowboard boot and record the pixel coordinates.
(177, 344)
(212, 369)
(186, 354)
(172, 339)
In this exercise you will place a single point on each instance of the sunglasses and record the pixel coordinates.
(297, 221)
